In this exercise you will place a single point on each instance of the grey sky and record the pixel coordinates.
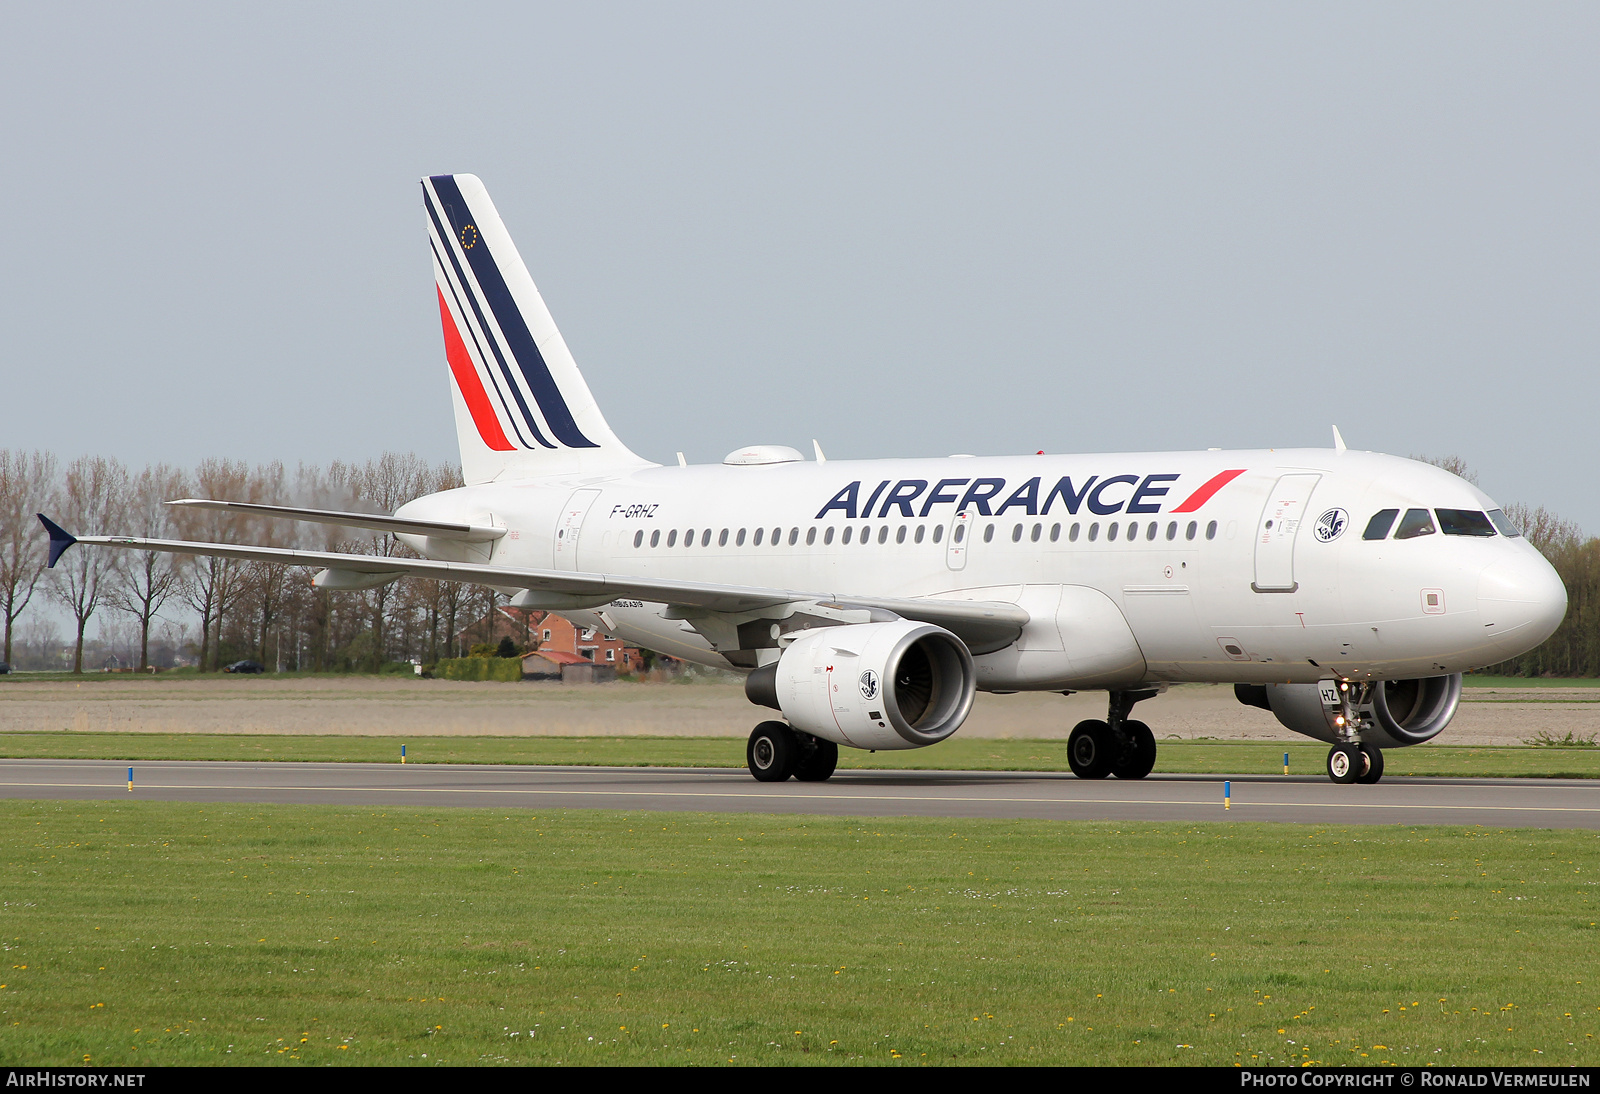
(903, 229)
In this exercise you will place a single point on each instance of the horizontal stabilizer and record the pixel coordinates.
(375, 522)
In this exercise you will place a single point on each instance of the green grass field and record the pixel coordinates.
(176, 933)
(1198, 757)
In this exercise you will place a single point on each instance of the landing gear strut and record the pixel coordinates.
(1117, 746)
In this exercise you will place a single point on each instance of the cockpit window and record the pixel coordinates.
(1381, 522)
(1464, 522)
(1416, 522)
(1503, 522)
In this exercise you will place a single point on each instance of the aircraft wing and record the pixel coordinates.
(982, 625)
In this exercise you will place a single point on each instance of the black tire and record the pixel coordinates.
(1372, 765)
(817, 761)
(772, 752)
(1138, 757)
(1091, 750)
(1344, 763)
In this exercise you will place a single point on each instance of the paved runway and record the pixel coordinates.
(1541, 803)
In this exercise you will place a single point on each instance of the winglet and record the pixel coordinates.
(60, 538)
(1338, 441)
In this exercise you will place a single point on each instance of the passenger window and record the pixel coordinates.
(1034, 535)
(638, 538)
(1503, 522)
(1464, 522)
(739, 540)
(960, 533)
(1194, 526)
(1211, 530)
(1416, 522)
(655, 538)
(938, 532)
(1055, 533)
(988, 533)
(1094, 531)
(1378, 527)
(920, 530)
(688, 538)
(900, 534)
(883, 534)
(1111, 532)
(846, 537)
(722, 540)
(705, 537)
(811, 535)
(672, 538)
(1150, 533)
(1016, 534)
(827, 536)
(1172, 531)
(759, 533)
(1072, 536)
(794, 536)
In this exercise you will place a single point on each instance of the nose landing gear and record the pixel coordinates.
(1352, 760)
(1118, 746)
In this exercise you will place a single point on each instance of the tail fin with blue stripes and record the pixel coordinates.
(522, 407)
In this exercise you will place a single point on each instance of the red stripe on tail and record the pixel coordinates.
(461, 367)
(1203, 495)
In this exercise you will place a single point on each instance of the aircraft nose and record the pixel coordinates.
(1521, 596)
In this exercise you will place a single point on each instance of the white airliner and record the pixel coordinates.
(1344, 591)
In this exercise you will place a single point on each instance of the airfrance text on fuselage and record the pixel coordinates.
(1102, 497)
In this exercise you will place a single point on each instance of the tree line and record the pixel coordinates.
(215, 610)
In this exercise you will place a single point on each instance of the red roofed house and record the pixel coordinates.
(548, 632)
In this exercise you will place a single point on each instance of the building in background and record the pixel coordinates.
(533, 630)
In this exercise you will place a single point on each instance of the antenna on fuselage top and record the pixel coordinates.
(681, 461)
(817, 448)
(1338, 441)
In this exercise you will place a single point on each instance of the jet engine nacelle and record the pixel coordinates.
(890, 685)
(1399, 713)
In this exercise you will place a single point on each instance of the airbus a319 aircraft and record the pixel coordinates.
(867, 601)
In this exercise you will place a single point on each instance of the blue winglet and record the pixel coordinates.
(60, 538)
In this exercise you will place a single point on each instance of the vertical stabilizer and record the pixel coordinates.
(522, 407)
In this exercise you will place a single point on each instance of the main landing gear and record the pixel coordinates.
(1117, 746)
(775, 752)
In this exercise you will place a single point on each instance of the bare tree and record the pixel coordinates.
(386, 484)
(1453, 464)
(1544, 529)
(27, 481)
(149, 578)
(93, 495)
(210, 584)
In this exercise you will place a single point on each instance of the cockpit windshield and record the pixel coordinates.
(1503, 522)
(1452, 522)
(1416, 522)
(1464, 522)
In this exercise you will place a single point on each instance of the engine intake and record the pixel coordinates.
(890, 685)
(1398, 713)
